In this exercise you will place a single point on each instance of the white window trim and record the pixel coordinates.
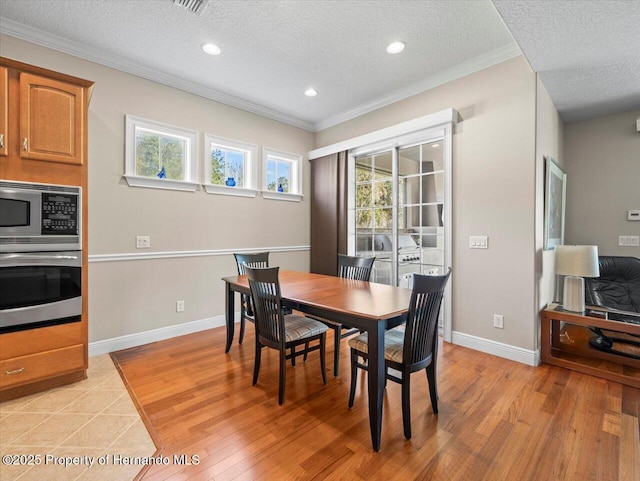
(296, 175)
(191, 170)
(251, 170)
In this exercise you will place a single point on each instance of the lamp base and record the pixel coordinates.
(573, 297)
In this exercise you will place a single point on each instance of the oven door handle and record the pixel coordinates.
(18, 260)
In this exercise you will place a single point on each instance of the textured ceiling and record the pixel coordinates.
(587, 53)
(272, 51)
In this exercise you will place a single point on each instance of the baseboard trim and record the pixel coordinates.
(507, 351)
(97, 348)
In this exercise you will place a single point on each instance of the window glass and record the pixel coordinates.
(230, 166)
(282, 175)
(226, 165)
(160, 155)
(278, 175)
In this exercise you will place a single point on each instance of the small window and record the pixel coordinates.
(160, 155)
(282, 175)
(230, 167)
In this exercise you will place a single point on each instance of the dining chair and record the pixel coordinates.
(259, 259)
(280, 331)
(411, 347)
(349, 267)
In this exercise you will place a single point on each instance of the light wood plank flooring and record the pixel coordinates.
(498, 420)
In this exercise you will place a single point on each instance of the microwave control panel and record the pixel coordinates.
(59, 214)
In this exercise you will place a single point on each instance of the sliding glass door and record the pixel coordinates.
(374, 212)
(398, 211)
(420, 219)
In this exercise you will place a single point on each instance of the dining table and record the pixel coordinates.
(367, 306)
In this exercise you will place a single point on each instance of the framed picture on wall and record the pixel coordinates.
(555, 189)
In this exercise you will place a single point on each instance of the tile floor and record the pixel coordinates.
(89, 421)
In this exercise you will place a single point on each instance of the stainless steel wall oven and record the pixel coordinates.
(40, 255)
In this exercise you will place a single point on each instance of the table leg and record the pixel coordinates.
(229, 314)
(376, 381)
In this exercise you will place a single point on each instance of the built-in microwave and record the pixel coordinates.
(39, 217)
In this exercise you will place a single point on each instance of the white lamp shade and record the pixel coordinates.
(579, 261)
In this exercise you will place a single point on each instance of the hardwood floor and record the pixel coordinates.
(498, 420)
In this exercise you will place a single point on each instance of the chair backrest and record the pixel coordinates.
(618, 286)
(422, 320)
(259, 259)
(358, 268)
(267, 304)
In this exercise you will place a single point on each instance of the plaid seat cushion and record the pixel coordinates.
(393, 343)
(299, 327)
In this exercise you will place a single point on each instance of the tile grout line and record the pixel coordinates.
(120, 391)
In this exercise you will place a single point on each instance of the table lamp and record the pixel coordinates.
(576, 262)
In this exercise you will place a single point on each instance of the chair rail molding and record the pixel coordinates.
(192, 253)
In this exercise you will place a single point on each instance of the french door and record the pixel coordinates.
(399, 208)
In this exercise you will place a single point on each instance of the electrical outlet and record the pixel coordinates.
(179, 306)
(498, 321)
(143, 242)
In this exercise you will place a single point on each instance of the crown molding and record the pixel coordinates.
(64, 45)
(470, 66)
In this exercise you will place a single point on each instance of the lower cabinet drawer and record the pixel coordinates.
(34, 367)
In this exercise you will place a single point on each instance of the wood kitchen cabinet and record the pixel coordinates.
(44, 127)
(51, 119)
(4, 109)
(45, 124)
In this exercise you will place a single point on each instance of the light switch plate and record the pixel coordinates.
(479, 242)
(629, 240)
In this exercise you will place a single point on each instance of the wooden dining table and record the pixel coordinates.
(364, 305)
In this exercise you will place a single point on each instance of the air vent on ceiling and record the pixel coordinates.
(195, 6)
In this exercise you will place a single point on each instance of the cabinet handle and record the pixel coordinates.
(1, 141)
(25, 144)
(15, 371)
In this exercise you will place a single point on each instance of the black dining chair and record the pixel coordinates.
(278, 331)
(411, 347)
(349, 267)
(259, 259)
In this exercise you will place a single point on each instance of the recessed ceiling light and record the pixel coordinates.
(435, 145)
(211, 49)
(395, 47)
(311, 92)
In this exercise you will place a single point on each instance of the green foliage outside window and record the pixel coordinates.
(154, 151)
(217, 167)
(369, 195)
(282, 181)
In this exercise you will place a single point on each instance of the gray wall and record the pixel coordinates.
(549, 142)
(494, 194)
(602, 161)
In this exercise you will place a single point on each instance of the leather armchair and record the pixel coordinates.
(618, 286)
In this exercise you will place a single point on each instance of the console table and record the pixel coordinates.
(565, 343)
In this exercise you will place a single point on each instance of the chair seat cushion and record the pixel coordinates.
(300, 327)
(393, 343)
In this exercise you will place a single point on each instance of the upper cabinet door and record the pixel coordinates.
(51, 120)
(4, 109)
